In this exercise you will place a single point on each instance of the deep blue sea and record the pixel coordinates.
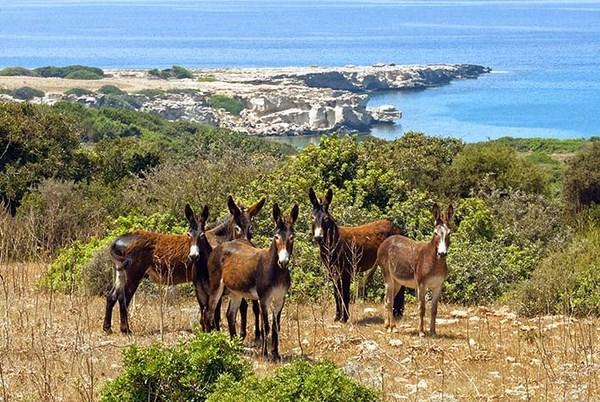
(545, 54)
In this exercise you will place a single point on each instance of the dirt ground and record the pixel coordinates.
(52, 347)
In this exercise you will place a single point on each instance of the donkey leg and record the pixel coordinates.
(243, 318)
(258, 335)
(202, 298)
(399, 303)
(232, 309)
(421, 296)
(388, 300)
(434, 307)
(346, 279)
(277, 307)
(264, 312)
(111, 300)
(124, 301)
(275, 336)
(337, 295)
(217, 317)
(214, 300)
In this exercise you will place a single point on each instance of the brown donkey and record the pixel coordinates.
(347, 250)
(165, 259)
(258, 274)
(420, 265)
(238, 225)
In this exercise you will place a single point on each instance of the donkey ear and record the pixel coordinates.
(436, 212)
(329, 196)
(233, 208)
(189, 215)
(313, 197)
(294, 213)
(204, 215)
(449, 213)
(255, 209)
(276, 213)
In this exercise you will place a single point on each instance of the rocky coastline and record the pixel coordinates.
(273, 101)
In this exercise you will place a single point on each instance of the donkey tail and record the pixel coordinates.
(121, 262)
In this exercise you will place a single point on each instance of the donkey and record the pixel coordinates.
(238, 225)
(165, 259)
(257, 274)
(347, 250)
(419, 265)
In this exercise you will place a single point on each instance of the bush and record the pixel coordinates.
(230, 105)
(63, 72)
(567, 281)
(38, 142)
(176, 72)
(110, 90)
(83, 75)
(17, 71)
(582, 179)
(485, 166)
(297, 381)
(27, 93)
(187, 371)
(482, 264)
(78, 92)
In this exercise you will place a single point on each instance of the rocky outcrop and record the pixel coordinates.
(385, 114)
(277, 101)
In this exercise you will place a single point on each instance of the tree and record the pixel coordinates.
(582, 179)
(35, 143)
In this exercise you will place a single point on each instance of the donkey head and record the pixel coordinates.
(322, 221)
(284, 234)
(196, 230)
(242, 218)
(442, 230)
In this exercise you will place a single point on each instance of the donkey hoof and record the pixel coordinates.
(126, 331)
(275, 358)
(421, 334)
(107, 330)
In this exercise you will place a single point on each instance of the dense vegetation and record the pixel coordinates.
(210, 367)
(75, 72)
(82, 176)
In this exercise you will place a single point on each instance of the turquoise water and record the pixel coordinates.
(545, 54)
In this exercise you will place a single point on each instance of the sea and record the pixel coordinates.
(545, 55)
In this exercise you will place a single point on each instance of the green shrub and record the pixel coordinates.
(63, 72)
(176, 72)
(582, 179)
(484, 166)
(230, 105)
(207, 78)
(79, 92)
(482, 265)
(187, 371)
(38, 142)
(297, 381)
(27, 93)
(567, 281)
(110, 90)
(83, 75)
(17, 71)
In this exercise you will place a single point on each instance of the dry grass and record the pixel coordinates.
(52, 347)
